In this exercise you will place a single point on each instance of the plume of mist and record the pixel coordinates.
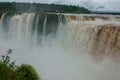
(54, 62)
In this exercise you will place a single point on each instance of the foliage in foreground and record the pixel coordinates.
(10, 71)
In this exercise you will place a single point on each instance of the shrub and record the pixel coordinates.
(10, 71)
(27, 72)
(6, 73)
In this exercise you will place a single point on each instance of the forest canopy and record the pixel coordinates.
(39, 7)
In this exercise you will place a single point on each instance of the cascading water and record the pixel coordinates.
(64, 46)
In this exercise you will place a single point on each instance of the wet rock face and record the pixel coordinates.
(46, 23)
(40, 24)
(52, 23)
(0, 15)
(5, 22)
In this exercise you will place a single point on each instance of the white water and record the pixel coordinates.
(53, 59)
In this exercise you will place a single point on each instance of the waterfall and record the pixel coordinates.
(35, 32)
(1, 20)
(79, 32)
(44, 25)
(64, 46)
(96, 35)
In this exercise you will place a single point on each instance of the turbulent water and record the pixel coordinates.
(64, 46)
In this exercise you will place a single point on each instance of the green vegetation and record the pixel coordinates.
(10, 71)
(38, 7)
